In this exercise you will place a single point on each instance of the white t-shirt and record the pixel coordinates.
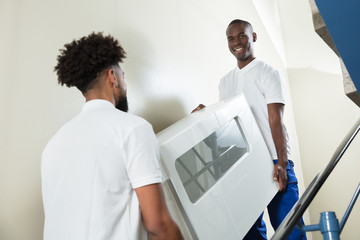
(261, 85)
(90, 169)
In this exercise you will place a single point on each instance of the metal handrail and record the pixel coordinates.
(348, 210)
(295, 214)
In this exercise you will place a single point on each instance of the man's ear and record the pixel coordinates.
(110, 76)
(254, 36)
(116, 81)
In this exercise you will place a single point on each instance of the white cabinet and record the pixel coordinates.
(218, 171)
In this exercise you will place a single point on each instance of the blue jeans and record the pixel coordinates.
(278, 208)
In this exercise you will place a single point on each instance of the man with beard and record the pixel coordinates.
(101, 175)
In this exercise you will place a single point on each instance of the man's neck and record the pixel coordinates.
(242, 64)
(92, 95)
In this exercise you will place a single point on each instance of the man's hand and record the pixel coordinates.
(201, 106)
(280, 176)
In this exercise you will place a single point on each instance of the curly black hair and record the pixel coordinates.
(80, 62)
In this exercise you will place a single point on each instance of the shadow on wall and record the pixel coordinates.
(163, 112)
(147, 70)
(141, 60)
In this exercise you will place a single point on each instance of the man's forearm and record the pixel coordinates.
(277, 128)
(275, 112)
(156, 217)
(169, 230)
(279, 138)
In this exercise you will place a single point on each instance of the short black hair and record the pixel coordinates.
(239, 21)
(80, 61)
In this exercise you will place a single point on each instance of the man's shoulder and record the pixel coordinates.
(230, 74)
(265, 67)
(103, 118)
(106, 113)
(128, 119)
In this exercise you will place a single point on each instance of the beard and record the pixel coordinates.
(122, 104)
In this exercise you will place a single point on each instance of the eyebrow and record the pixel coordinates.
(231, 36)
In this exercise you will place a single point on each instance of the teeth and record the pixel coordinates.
(238, 49)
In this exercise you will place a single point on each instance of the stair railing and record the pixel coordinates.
(295, 214)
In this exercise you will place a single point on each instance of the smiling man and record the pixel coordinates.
(264, 91)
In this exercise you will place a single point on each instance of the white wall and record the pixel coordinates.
(324, 116)
(177, 52)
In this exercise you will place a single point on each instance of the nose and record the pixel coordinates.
(236, 41)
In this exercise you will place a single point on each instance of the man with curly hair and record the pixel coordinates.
(101, 176)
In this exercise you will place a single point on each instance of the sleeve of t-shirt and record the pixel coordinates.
(143, 159)
(273, 87)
